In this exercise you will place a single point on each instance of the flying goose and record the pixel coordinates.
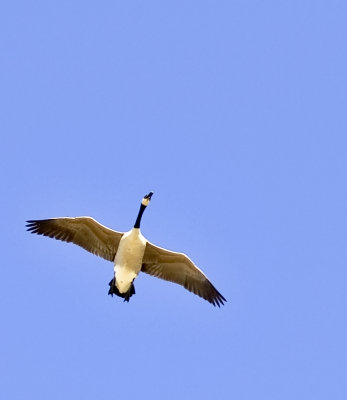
(130, 252)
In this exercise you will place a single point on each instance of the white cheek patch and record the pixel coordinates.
(145, 202)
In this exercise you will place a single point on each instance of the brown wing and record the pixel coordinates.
(178, 268)
(83, 231)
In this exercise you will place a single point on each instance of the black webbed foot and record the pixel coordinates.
(112, 285)
(114, 290)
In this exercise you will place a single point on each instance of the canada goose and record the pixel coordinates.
(130, 252)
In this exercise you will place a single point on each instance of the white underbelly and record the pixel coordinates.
(128, 260)
(124, 278)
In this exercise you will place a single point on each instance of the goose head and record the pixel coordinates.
(146, 199)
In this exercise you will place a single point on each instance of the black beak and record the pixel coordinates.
(148, 196)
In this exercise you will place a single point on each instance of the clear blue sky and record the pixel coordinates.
(234, 114)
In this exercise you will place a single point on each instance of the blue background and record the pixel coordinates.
(234, 114)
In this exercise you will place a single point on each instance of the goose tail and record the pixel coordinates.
(126, 295)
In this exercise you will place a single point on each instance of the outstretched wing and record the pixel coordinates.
(83, 231)
(178, 268)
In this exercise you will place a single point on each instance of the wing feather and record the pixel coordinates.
(179, 268)
(83, 231)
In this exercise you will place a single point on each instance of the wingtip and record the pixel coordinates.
(219, 300)
(30, 225)
(33, 225)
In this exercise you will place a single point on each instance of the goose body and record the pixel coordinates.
(128, 261)
(130, 252)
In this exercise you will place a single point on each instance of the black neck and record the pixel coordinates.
(139, 216)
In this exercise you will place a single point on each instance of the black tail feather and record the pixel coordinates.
(114, 290)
